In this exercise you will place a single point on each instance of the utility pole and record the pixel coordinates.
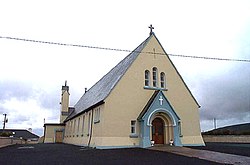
(4, 121)
(214, 123)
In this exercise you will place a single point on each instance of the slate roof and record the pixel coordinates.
(99, 92)
(25, 134)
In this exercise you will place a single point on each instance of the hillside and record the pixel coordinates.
(240, 129)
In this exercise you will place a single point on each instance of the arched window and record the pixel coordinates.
(154, 77)
(147, 78)
(163, 80)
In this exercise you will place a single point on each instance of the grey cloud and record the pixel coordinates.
(16, 89)
(2, 110)
(19, 119)
(49, 99)
(24, 90)
(227, 95)
(54, 117)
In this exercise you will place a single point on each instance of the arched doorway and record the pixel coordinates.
(158, 131)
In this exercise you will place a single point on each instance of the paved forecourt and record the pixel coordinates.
(51, 154)
(205, 155)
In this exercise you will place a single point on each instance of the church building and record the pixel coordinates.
(142, 101)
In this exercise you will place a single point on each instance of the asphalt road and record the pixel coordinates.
(242, 149)
(60, 154)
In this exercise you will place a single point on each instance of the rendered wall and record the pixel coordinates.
(50, 130)
(129, 97)
(227, 138)
(84, 134)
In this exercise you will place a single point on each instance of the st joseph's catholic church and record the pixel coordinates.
(142, 101)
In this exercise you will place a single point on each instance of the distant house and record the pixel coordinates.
(141, 101)
(23, 134)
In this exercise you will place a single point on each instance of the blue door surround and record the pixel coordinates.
(160, 106)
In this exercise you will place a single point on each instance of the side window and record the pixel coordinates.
(163, 80)
(154, 77)
(89, 124)
(66, 129)
(97, 115)
(133, 127)
(70, 128)
(74, 126)
(78, 125)
(147, 78)
(83, 120)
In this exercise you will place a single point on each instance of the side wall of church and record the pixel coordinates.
(85, 129)
(129, 97)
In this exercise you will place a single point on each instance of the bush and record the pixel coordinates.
(246, 133)
(5, 134)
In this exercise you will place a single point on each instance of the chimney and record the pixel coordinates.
(65, 87)
(64, 102)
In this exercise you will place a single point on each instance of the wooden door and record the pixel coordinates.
(158, 131)
(59, 136)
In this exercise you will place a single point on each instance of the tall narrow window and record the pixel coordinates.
(89, 124)
(83, 118)
(66, 129)
(97, 115)
(74, 127)
(163, 83)
(70, 128)
(78, 125)
(179, 126)
(154, 77)
(133, 127)
(147, 78)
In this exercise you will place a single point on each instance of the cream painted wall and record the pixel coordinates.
(77, 133)
(129, 97)
(80, 135)
(50, 133)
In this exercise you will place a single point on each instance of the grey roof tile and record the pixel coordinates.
(99, 91)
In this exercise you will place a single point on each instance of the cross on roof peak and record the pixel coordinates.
(151, 29)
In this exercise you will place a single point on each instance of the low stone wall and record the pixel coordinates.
(5, 141)
(227, 138)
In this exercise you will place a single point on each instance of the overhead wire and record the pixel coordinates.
(122, 50)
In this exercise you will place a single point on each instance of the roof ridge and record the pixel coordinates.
(103, 87)
(177, 72)
(119, 63)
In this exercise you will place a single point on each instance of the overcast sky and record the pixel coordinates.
(31, 74)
